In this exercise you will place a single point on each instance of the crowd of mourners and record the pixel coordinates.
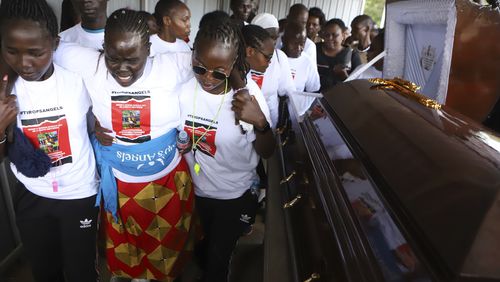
(120, 126)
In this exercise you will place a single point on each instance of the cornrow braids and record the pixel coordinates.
(255, 36)
(223, 30)
(146, 15)
(33, 10)
(126, 20)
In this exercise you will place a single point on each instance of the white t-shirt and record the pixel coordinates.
(305, 78)
(277, 80)
(52, 115)
(159, 45)
(309, 47)
(226, 156)
(138, 113)
(77, 34)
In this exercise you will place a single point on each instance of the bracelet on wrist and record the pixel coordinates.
(3, 139)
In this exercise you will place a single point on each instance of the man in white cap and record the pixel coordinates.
(277, 79)
(269, 23)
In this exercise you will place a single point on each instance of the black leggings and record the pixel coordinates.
(58, 236)
(223, 223)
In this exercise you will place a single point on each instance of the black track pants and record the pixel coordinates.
(223, 223)
(58, 236)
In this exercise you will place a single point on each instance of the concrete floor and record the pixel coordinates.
(246, 264)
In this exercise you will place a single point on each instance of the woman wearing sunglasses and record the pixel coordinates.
(224, 156)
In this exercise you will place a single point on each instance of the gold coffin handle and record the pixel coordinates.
(288, 178)
(280, 130)
(313, 277)
(284, 142)
(405, 88)
(292, 202)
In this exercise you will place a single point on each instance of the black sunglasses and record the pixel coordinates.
(215, 74)
(267, 57)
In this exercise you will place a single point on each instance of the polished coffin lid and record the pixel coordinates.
(439, 172)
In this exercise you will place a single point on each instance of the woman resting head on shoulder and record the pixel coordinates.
(219, 58)
(224, 153)
(259, 47)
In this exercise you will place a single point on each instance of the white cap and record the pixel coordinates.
(266, 20)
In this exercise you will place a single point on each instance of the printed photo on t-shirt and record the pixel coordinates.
(207, 134)
(131, 117)
(49, 142)
(50, 134)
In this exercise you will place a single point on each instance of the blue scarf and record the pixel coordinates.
(142, 159)
(30, 161)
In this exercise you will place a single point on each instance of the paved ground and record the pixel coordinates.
(246, 264)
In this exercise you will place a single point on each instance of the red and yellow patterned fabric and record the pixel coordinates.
(154, 237)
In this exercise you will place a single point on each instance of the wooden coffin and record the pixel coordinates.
(372, 186)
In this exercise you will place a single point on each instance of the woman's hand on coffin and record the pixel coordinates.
(341, 71)
(8, 107)
(102, 137)
(247, 109)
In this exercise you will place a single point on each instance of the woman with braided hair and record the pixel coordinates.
(51, 155)
(145, 183)
(224, 154)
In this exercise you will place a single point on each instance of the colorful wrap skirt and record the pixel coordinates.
(154, 236)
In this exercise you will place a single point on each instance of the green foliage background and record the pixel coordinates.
(375, 8)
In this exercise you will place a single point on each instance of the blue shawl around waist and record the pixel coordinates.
(136, 160)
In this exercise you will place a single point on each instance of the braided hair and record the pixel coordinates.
(223, 30)
(255, 36)
(126, 20)
(33, 10)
